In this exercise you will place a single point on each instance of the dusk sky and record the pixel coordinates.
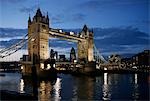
(76, 13)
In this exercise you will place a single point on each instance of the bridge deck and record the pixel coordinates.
(65, 35)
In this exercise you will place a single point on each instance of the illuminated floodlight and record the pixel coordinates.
(75, 61)
(42, 65)
(105, 68)
(48, 66)
(60, 31)
(32, 39)
(71, 33)
(21, 67)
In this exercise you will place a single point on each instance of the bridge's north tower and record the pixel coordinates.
(38, 30)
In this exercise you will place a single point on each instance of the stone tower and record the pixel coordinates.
(85, 47)
(38, 34)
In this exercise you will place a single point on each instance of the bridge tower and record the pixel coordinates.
(85, 47)
(38, 29)
(86, 50)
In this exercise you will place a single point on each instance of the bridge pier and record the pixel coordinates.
(90, 67)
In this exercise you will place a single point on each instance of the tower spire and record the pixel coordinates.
(38, 13)
(85, 28)
(47, 18)
(29, 20)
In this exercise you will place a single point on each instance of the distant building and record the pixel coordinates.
(140, 60)
(114, 59)
(25, 58)
(62, 58)
(126, 62)
(72, 55)
(53, 54)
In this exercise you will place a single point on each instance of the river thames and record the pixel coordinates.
(66, 87)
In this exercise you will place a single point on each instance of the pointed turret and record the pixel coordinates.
(85, 28)
(29, 20)
(72, 50)
(38, 13)
(47, 18)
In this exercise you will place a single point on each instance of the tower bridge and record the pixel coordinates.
(39, 32)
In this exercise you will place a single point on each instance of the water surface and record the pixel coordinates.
(68, 87)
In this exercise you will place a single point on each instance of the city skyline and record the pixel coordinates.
(74, 14)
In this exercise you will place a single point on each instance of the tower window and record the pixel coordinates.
(43, 26)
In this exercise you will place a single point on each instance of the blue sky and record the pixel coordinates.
(76, 13)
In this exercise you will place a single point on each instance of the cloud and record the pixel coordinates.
(61, 18)
(102, 37)
(123, 49)
(101, 4)
(146, 21)
(57, 19)
(12, 1)
(10, 38)
(28, 9)
(78, 17)
(92, 4)
(134, 47)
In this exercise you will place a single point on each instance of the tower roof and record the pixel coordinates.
(29, 20)
(85, 28)
(72, 50)
(38, 13)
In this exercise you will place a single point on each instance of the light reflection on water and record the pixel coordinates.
(67, 87)
(45, 88)
(135, 91)
(57, 89)
(22, 86)
(106, 88)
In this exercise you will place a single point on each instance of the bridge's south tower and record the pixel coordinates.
(38, 31)
(85, 47)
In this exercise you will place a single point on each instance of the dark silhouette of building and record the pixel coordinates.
(140, 60)
(53, 54)
(72, 55)
(9, 66)
(62, 58)
(114, 58)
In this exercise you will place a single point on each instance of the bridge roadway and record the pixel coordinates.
(70, 36)
(59, 65)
